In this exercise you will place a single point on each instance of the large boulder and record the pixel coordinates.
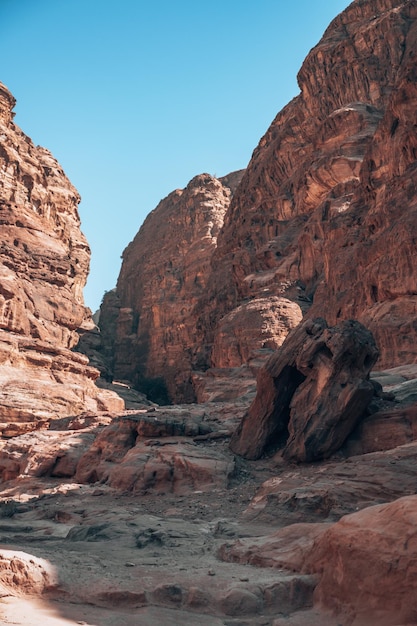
(311, 392)
(367, 564)
(252, 328)
(156, 452)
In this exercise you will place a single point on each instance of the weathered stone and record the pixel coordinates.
(284, 549)
(325, 213)
(164, 272)
(383, 430)
(314, 389)
(44, 261)
(175, 467)
(227, 384)
(327, 491)
(240, 601)
(252, 329)
(23, 573)
(43, 453)
(378, 547)
(130, 456)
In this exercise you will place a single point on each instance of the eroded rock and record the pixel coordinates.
(163, 275)
(377, 546)
(156, 452)
(311, 393)
(44, 262)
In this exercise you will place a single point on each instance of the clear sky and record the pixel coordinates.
(135, 98)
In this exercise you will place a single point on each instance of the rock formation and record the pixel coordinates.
(323, 216)
(147, 515)
(345, 553)
(157, 341)
(326, 205)
(171, 527)
(163, 276)
(44, 261)
(311, 393)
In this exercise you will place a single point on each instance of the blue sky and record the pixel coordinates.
(135, 98)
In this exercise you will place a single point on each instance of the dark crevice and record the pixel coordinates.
(286, 385)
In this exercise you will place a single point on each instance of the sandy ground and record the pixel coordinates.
(122, 560)
(153, 560)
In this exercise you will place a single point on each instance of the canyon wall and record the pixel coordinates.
(326, 207)
(164, 274)
(44, 262)
(323, 220)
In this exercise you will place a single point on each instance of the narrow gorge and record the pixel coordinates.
(232, 441)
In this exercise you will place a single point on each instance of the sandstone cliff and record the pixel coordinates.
(170, 527)
(327, 205)
(323, 218)
(44, 262)
(164, 274)
(156, 337)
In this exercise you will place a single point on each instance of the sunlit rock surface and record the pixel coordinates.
(44, 262)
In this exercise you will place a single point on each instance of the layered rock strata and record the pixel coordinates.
(326, 207)
(44, 262)
(164, 274)
(311, 393)
(324, 216)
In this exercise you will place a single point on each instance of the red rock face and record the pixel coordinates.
(375, 546)
(163, 276)
(44, 261)
(383, 213)
(251, 329)
(326, 205)
(324, 216)
(162, 296)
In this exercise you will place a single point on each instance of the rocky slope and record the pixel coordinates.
(150, 518)
(324, 217)
(44, 261)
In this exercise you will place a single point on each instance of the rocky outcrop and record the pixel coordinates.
(311, 393)
(375, 546)
(158, 450)
(187, 543)
(260, 325)
(44, 261)
(24, 573)
(159, 343)
(130, 456)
